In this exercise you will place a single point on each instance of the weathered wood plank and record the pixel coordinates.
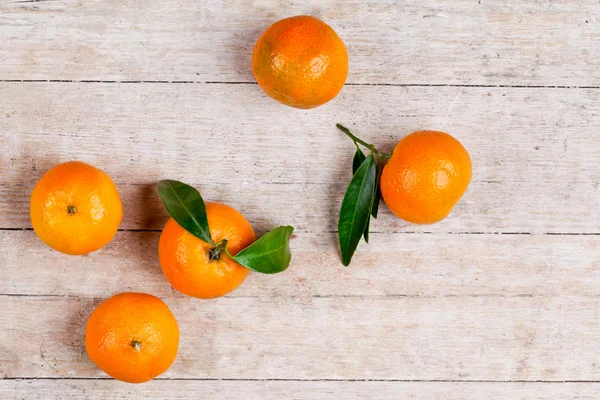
(415, 42)
(413, 265)
(534, 170)
(314, 208)
(274, 390)
(441, 306)
(476, 338)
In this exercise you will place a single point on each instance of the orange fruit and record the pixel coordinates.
(300, 61)
(186, 260)
(133, 337)
(427, 174)
(75, 208)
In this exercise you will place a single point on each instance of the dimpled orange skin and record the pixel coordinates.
(300, 61)
(95, 217)
(121, 322)
(428, 173)
(185, 258)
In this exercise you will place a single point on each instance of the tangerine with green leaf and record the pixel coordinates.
(200, 269)
(423, 179)
(206, 250)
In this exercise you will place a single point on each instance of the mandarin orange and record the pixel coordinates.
(426, 176)
(193, 267)
(75, 208)
(300, 61)
(133, 337)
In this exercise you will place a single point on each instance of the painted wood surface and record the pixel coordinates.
(498, 301)
(276, 390)
(489, 42)
(393, 265)
(535, 171)
(480, 338)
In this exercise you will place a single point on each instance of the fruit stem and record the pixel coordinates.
(71, 209)
(367, 145)
(215, 253)
(137, 345)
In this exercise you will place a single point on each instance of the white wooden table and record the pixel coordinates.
(499, 301)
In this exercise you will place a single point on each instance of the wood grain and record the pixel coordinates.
(489, 42)
(275, 390)
(534, 171)
(392, 265)
(476, 338)
(498, 301)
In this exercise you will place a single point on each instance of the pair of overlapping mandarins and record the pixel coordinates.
(301, 62)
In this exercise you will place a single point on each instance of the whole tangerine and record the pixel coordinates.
(426, 176)
(75, 208)
(133, 337)
(300, 61)
(197, 268)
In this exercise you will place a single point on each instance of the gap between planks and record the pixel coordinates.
(466, 381)
(337, 296)
(347, 84)
(384, 232)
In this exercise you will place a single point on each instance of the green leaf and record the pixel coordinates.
(377, 190)
(366, 232)
(186, 206)
(270, 254)
(376, 197)
(356, 208)
(359, 157)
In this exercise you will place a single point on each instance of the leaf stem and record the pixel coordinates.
(367, 145)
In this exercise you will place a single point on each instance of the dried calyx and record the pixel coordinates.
(136, 344)
(220, 248)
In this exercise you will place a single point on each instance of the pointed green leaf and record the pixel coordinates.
(375, 206)
(366, 232)
(270, 254)
(377, 190)
(356, 208)
(376, 193)
(359, 157)
(186, 206)
(376, 197)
